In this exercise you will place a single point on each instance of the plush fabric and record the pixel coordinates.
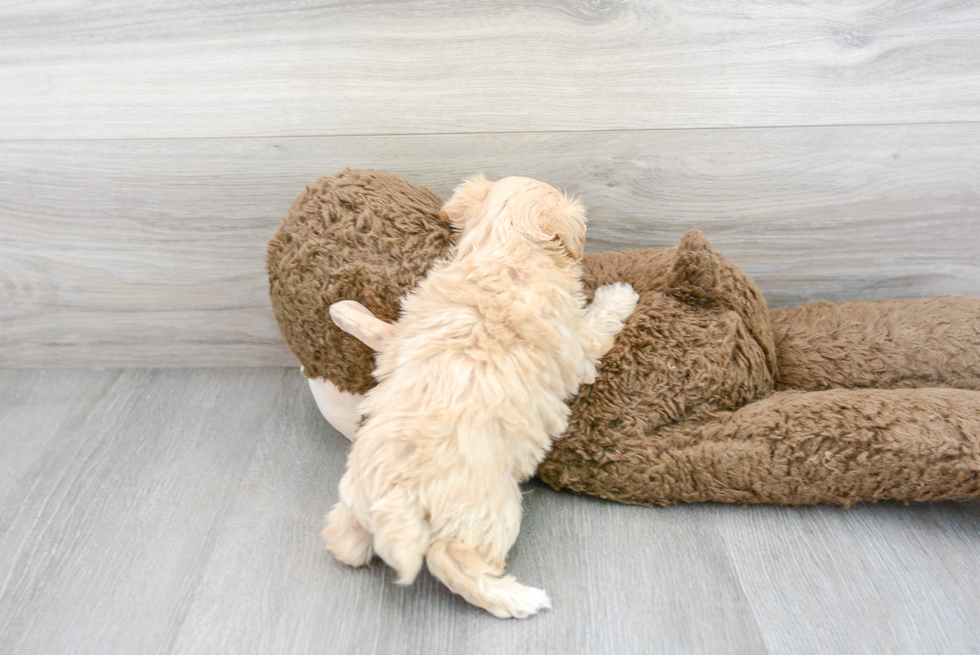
(358, 234)
(886, 344)
(706, 395)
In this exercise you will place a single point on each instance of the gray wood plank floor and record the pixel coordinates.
(179, 511)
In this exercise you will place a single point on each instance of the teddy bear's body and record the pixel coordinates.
(706, 394)
(709, 396)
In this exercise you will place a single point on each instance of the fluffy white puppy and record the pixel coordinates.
(472, 387)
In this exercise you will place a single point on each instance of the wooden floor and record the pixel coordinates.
(179, 511)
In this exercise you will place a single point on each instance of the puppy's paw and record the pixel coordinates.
(402, 547)
(619, 299)
(589, 372)
(407, 566)
(346, 539)
(523, 602)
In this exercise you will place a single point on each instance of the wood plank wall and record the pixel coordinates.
(147, 150)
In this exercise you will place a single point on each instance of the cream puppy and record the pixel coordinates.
(472, 387)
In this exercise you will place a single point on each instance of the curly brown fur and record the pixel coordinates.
(658, 428)
(706, 395)
(840, 446)
(359, 235)
(886, 344)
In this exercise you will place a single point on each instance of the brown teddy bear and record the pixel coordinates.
(706, 395)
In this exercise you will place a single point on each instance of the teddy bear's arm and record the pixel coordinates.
(886, 344)
(357, 320)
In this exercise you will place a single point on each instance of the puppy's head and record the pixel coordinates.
(534, 209)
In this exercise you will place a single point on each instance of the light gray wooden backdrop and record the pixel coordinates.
(147, 151)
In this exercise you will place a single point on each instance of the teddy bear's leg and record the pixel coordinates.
(886, 344)
(840, 446)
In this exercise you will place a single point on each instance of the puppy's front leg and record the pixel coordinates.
(357, 320)
(604, 319)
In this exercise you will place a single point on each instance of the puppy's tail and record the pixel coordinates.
(466, 573)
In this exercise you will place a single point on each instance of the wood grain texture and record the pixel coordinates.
(888, 594)
(180, 512)
(151, 252)
(109, 520)
(116, 69)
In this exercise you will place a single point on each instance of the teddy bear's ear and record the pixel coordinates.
(694, 276)
(466, 198)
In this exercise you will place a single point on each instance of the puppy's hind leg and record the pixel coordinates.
(346, 538)
(466, 573)
(401, 536)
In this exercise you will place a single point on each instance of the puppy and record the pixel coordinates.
(472, 387)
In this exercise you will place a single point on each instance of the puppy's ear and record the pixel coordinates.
(567, 223)
(466, 198)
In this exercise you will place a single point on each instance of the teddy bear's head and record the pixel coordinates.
(359, 235)
(700, 339)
